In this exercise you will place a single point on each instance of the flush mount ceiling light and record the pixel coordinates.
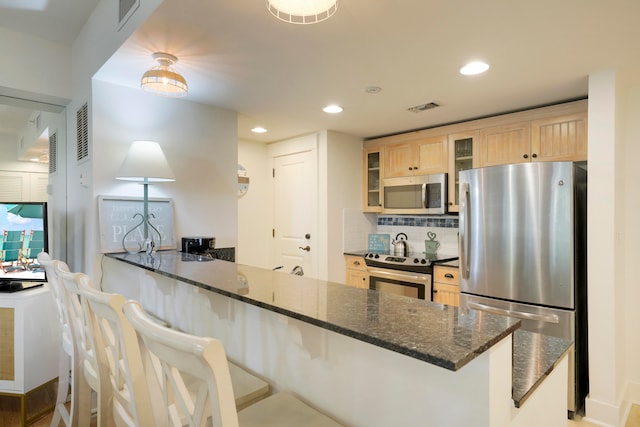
(162, 79)
(332, 109)
(302, 11)
(474, 68)
(258, 129)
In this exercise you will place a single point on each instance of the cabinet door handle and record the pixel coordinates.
(356, 262)
(534, 155)
(526, 156)
(449, 276)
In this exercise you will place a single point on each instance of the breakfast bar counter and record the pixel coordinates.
(347, 350)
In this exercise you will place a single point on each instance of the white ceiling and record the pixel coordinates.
(235, 55)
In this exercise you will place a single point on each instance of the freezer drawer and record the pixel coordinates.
(548, 321)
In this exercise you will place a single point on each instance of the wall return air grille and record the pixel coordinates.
(53, 152)
(82, 132)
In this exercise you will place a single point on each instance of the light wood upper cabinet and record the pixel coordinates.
(372, 179)
(559, 138)
(399, 159)
(433, 154)
(505, 144)
(419, 157)
(463, 155)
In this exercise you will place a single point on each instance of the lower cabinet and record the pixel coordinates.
(446, 288)
(29, 347)
(357, 275)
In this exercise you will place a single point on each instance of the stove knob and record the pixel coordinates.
(377, 256)
(416, 260)
(423, 261)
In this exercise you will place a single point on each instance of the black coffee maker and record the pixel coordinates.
(198, 245)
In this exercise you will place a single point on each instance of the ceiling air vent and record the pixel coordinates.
(53, 152)
(82, 133)
(423, 107)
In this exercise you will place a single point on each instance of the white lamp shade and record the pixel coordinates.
(145, 162)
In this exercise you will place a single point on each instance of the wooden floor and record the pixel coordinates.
(10, 412)
(37, 401)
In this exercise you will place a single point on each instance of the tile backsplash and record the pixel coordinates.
(358, 225)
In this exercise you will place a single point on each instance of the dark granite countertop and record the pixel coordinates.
(534, 357)
(442, 335)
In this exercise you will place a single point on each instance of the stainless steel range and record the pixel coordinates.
(407, 276)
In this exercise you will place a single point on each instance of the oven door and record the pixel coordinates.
(409, 284)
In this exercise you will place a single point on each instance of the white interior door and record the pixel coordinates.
(296, 212)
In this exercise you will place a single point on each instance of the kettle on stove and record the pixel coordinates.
(400, 247)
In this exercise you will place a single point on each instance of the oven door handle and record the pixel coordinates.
(404, 276)
(549, 318)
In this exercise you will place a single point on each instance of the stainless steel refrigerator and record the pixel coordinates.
(522, 241)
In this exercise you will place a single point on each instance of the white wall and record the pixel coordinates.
(34, 68)
(629, 93)
(200, 143)
(613, 229)
(341, 188)
(255, 209)
(98, 40)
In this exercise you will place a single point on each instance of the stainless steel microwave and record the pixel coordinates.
(423, 194)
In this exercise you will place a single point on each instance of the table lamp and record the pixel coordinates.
(145, 163)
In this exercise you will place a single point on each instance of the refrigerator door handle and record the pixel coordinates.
(464, 229)
(549, 318)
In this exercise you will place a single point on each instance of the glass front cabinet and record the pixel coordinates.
(372, 180)
(463, 149)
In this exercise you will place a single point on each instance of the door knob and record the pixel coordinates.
(306, 248)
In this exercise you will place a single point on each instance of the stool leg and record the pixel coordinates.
(64, 366)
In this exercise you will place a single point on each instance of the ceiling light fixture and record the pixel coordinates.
(474, 68)
(258, 129)
(162, 79)
(332, 109)
(302, 11)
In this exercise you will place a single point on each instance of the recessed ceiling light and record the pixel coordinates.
(373, 89)
(332, 109)
(258, 129)
(474, 68)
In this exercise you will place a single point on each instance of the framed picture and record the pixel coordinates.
(122, 228)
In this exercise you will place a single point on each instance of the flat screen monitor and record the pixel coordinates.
(23, 235)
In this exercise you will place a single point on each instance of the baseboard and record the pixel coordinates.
(607, 415)
(602, 413)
